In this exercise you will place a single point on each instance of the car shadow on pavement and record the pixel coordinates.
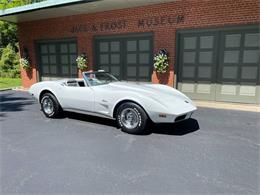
(178, 129)
(90, 119)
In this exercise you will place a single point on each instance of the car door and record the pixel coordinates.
(78, 98)
(104, 99)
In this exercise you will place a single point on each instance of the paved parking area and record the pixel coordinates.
(218, 151)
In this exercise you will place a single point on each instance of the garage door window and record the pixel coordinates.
(57, 59)
(128, 58)
(109, 57)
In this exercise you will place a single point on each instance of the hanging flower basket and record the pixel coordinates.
(161, 61)
(82, 62)
(25, 64)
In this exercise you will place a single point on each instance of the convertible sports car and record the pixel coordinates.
(133, 105)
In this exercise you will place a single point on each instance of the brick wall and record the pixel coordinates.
(197, 14)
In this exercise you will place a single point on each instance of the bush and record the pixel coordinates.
(161, 61)
(82, 62)
(9, 62)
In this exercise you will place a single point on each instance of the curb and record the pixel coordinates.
(20, 89)
(229, 106)
(14, 89)
(5, 89)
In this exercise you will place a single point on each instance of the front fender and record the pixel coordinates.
(149, 105)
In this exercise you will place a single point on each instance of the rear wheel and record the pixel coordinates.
(131, 118)
(50, 106)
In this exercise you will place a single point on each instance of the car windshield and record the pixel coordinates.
(99, 78)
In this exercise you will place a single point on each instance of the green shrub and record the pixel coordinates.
(9, 62)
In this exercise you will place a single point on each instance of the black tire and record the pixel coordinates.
(142, 118)
(56, 110)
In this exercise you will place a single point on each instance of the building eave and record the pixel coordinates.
(60, 8)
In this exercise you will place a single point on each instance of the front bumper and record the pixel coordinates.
(183, 117)
(157, 117)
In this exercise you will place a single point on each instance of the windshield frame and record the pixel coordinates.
(86, 78)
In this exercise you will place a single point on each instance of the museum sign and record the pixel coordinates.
(123, 24)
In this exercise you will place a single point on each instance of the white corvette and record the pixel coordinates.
(99, 93)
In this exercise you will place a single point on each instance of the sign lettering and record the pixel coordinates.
(104, 26)
(122, 24)
(159, 21)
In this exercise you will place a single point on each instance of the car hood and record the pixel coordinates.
(158, 92)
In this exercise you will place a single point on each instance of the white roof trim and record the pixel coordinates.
(60, 8)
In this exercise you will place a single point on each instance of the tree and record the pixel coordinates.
(4, 4)
(9, 58)
(8, 34)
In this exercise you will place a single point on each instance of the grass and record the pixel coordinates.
(9, 82)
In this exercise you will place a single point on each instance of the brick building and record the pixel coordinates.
(213, 46)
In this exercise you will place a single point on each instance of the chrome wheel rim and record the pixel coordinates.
(47, 105)
(129, 118)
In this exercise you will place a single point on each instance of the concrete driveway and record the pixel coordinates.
(215, 152)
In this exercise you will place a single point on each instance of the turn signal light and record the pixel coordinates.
(162, 115)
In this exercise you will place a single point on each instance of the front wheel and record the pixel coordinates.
(50, 106)
(131, 118)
